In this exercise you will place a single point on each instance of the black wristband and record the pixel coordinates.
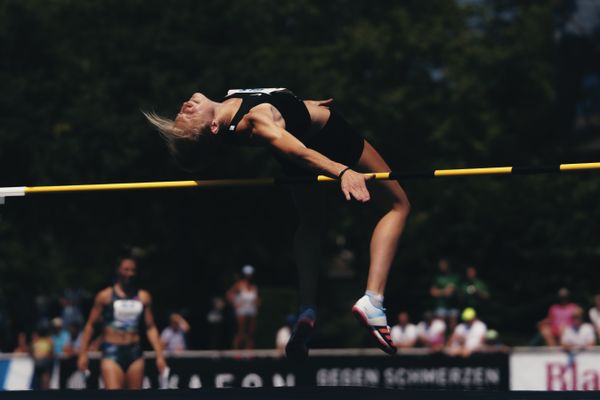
(343, 172)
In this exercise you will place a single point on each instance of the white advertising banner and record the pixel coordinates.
(554, 370)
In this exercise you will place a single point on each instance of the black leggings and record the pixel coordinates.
(339, 142)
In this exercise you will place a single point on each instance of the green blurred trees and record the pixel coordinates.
(432, 84)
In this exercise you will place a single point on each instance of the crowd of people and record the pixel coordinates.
(455, 327)
(119, 315)
(565, 324)
(454, 324)
(437, 334)
(121, 312)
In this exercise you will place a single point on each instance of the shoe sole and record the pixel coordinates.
(364, 321)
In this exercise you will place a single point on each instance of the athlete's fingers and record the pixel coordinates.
(347, 194)
(359, 191)
(345, 190)
(362, 195)
(366, 195)
(325, 102)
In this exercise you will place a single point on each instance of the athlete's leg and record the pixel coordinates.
(250, 332)
(112, 374)
(135, 374)
(391, 199)
(240, 333)
(310, 205)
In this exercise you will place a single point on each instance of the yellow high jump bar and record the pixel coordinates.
(514, 170)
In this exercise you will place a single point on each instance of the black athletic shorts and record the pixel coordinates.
(124, 355)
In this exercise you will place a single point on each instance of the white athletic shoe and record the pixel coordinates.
(375, 321)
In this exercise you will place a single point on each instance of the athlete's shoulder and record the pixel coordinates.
(262, 116)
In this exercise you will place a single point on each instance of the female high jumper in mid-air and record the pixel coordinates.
(307, 138)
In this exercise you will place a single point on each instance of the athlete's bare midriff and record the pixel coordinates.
(120, 338)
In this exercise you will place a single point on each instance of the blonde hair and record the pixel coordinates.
(167, 127)
(188, 147)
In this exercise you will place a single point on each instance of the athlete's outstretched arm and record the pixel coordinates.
(264, 128)
(183, 324)
(88, 330)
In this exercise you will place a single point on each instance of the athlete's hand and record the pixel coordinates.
(354, 185)
(82, 362)
(324, 103)
(161, 364)
(321, 103)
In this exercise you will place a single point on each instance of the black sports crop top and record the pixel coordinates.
(123, 313)
(291, 107)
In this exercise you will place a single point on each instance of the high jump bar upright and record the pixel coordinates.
(511, 170)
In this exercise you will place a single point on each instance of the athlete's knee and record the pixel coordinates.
(401, 204)
(393, 198)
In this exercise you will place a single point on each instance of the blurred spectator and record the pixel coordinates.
(71, 311)
(42, 352)
(473, 291)
(578, 335)
(284, 333)
(492, 342)
(61, 338)
(431, 332)
(451, 325)
(595, 315)
(22, 346)
(404, 335)
(43, 308)
(559, 317)
(243, 295)
(173, 336)
(75, 333)
(444, 290)
(468, 336)
(216, 322)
